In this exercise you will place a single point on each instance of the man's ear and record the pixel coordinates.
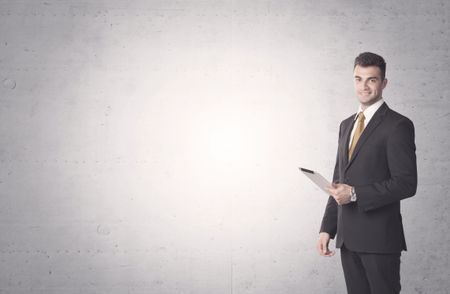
(385, 81)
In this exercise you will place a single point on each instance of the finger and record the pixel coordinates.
(330, 253)
(336, 198)
(324, 247)
(319, 247)
(321, 252)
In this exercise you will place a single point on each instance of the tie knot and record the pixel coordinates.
(361, 116)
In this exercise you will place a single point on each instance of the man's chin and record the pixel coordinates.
(366, 100)
(363, 100)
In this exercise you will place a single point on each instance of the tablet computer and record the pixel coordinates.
(317, 178)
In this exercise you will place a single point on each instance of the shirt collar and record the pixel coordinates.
(370, 111)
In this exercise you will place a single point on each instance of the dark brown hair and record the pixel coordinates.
(369, 59)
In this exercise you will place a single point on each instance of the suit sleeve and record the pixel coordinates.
(329, 220)
(402, 164)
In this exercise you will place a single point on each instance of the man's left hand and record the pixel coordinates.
(340, 192)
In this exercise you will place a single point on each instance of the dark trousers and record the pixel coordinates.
(371, 273)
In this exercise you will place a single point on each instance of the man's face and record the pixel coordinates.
(368, 84)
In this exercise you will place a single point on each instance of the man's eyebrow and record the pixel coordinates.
(369, 78)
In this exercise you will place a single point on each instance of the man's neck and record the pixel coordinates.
(365, 106)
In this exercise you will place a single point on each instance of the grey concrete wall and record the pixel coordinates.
(152, 146)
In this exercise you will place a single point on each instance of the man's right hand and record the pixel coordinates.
(322, 245)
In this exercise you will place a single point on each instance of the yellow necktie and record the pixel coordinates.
(358, 132)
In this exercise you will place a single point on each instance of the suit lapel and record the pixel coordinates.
(347, 132)
(371, 126)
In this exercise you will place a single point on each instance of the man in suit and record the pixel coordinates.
(375, 169)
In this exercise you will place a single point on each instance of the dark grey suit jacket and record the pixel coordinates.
(383, 171)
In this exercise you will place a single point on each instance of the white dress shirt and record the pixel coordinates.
(368, 114)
